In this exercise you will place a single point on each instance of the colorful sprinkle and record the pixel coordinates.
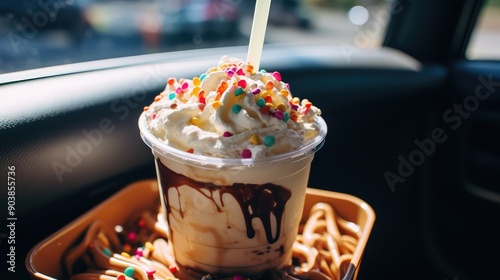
(216, 104)
(240, 72)
(261, 102)
(194, 120)
(239, 91)
(121, 277)
(185, 86)
(203, 76)
(149, 246)
(158, 98)
(139, 252)
(154, 116)
(256, 91)
(286, 116)
(171, 96)
(230, 73)
(196, 91)
(278, 114)
(268, 99)
(106, 251)
(269, 140)
(281, 107)
(146, 108)
(295, 107)
(173, 106)
(126, 255)
(173, 268)
(178, 90)
(250, 69)
(227, 134)
(196, 81)
(246, 153)
(242, 83)
(270, 85)
(277, 76)
(129, 271)
(265, 109)
(263, 71)
(201, 97)
(191, 150)
(150, 272)
(294, 117)
(285, 92)
(171, 81)
(238, 277)
(255, 139)
(236, 108)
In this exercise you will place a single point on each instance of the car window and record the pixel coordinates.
(485, 38)
(40, 33)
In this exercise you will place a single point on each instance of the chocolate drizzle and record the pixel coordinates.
(256, 201)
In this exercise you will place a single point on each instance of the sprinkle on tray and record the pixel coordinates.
(255, 139)
(227, 134)
(106, 251)
(129, 271)
(269, 140)
(150, 272)
(246, 153)
(173, 268)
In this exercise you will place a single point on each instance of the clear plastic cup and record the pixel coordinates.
(232, 216)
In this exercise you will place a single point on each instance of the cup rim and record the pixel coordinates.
(310, 147)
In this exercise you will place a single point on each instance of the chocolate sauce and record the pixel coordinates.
(256, 201)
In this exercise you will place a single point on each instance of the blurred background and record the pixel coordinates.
(40, 33)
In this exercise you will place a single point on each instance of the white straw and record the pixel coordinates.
(258, 32)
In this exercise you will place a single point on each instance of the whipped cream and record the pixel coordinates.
(231, 111)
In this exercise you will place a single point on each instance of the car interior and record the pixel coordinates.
(414, 131)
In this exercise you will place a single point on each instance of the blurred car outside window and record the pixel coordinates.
(41, 33)
(485, 39)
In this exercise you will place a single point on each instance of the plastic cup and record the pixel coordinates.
(232, 216)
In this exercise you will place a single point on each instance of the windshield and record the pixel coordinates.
(41, 33)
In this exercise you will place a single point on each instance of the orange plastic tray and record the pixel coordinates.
(44, 259)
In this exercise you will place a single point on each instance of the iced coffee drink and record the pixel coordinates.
(233, 150)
